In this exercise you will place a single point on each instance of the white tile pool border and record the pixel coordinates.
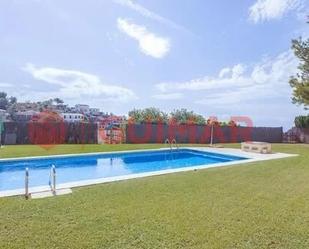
(253, 157)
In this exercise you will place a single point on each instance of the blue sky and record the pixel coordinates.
(219, 58)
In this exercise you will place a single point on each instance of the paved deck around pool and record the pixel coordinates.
(253, 157)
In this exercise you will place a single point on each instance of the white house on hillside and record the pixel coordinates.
(94, 111)
(72, 117)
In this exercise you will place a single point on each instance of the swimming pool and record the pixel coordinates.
(85, 167)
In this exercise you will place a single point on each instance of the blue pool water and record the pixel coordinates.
(87, 167)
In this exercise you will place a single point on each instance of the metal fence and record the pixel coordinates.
(157, 133)
(87, 133)
(49, 133)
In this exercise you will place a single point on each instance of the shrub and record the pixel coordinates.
(302, 121)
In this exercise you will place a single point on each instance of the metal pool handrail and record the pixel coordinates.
(175, 143)
(167, 141)
(27, 194)
(171, 143)
(52, 179)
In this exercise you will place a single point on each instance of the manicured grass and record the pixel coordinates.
(258, 205)
(36, 150)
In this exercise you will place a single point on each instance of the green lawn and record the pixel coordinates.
(35, 150)
(261, 205)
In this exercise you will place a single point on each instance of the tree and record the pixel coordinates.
(300, 82)
(302, 121)
(3, 101)
(183, 116)
(46, 103)
(58, 101)
(136, 115)
(12, 100)
(8, 104)
(12, 108)
(153, 115)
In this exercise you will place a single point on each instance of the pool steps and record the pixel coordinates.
(171, 143)
(43, 194)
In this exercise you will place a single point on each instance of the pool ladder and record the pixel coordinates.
(27, 194)
(52, 181)
(172, 143)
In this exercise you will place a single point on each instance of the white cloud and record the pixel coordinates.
(205, 83)
(233, 72)
(147, 13)
(235, 85)
(76, 84)
(264, 10)
(224, 71)
(237, 71)
(168, 96)
(149, 43)
(260, 92)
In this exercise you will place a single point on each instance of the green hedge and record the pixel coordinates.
(302, 121)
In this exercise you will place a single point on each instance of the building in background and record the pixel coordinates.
(24, 116)
(73, 117)
(94, 111)
(27, 106)
(85, 109)
(111, 120)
